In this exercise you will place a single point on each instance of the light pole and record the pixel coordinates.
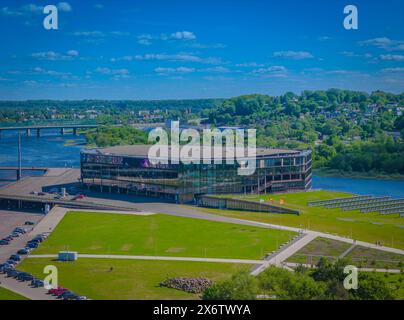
(19, 171)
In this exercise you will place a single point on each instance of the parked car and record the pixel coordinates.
(8, 238)
(39, 238)
(41, 193)
(5, 266)
(37, 283)
(56, 290)
(15, 235)
(29, 223)
(12, 273)
(4, 242)
(15, 257)
(24, 276)
(32, 245)
(23, 251)
(6, 269)
(12, 262)
(68, 295)
(78, 197)
(20, 230)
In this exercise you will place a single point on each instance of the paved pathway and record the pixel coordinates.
(293, 265)
(162, 258)
(284, 253)
(347, 251)
(23, 289)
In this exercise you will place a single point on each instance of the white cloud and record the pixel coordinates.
(32, 8)
(393, 70)
(73, 53)
(30, 82)
(324, 38)
(88, 34)
(384, 43)
(64, 6)
(218, 69)
(392, 57)
(183, 35)
(112, 71)
(161, 70)
(296, 55)
(207, 46)
(144, 42)
(41, 71)
(249, 64)
(187, 57)
(273, 71)
(52, 55)
(145, 39)
(48, 55)
(351, 54)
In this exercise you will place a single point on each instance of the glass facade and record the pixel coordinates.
(136, 174)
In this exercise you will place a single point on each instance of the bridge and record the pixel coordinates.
(74, 127)
(38, 128)
(13, 202)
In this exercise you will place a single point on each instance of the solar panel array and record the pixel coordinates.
(366, 204)
(336, 201)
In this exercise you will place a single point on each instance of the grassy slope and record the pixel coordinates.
(368, 227)
(9, 295)
(99, 233)
(130, 279)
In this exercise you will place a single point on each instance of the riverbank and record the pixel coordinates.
(332, 173)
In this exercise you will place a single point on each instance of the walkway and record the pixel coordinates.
(23, 289)
(161, 258)
(284, 253)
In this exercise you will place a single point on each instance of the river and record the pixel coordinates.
(54, 150)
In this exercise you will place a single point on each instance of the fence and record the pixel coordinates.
(243, 205)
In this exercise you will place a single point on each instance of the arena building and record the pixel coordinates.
(127, 169)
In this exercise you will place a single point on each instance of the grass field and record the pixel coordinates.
(9, 295)
(368, 227)
(162, 235)
(130, 279)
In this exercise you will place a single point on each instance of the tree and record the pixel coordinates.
(242, 286)
(372, 287)
(287, 285)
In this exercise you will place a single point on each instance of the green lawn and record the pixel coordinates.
(164, 235)
(9, 295)
(130, 279)
(368, 227)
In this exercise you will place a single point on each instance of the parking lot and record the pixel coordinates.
(8, 221)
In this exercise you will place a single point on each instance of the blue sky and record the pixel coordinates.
(149, 49)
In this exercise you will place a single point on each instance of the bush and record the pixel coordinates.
(242, 286)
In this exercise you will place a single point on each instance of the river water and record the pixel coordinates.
(54, 150)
